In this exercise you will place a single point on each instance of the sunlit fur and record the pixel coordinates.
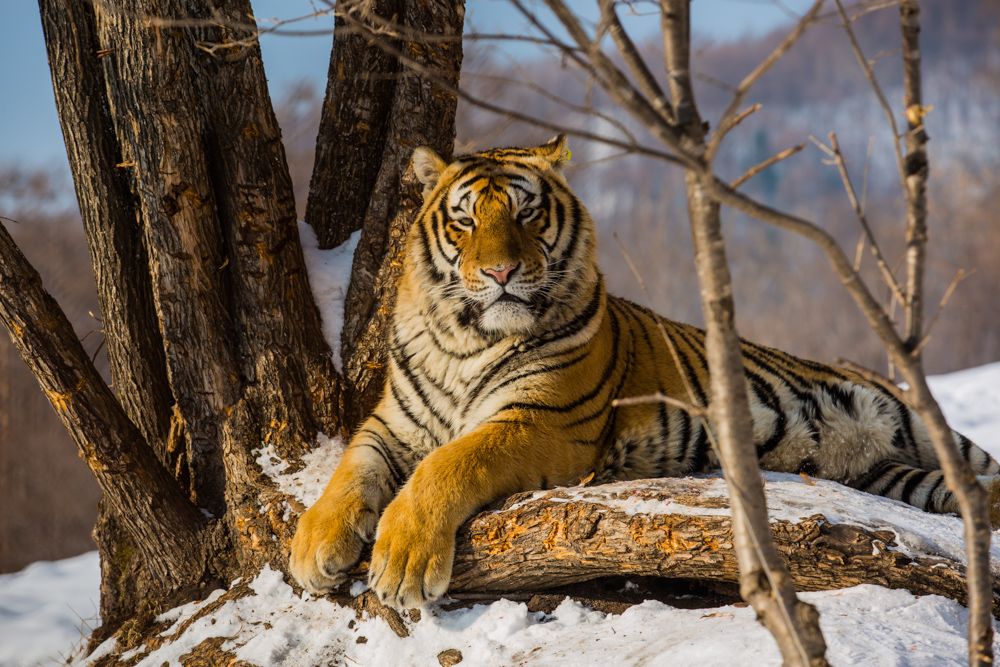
(485, 398)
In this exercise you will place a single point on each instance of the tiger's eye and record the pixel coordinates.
(526, 214)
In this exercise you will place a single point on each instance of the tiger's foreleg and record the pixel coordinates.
(415, 542)
(332, 533)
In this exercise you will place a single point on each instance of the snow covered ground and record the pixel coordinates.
(47, 608)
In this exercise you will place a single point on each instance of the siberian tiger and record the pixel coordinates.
(505, 356)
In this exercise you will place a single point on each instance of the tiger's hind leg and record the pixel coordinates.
(924, 489)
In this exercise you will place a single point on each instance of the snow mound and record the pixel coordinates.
(273, 626)
(47, 608)
(307, 484)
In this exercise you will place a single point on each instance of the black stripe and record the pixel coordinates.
(409, 413)
(435, 275)
(402, 364)
(911, 485)
(397, 479)
(766, 396)
(930, 494)
(605, 374)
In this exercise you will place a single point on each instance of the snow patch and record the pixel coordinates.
(307, 484)
(863, 625)
(47, 609)
(329, 275)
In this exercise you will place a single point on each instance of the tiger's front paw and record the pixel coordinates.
(411, 561)
(329, 540)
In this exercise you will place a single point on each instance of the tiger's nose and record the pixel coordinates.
(501, 272)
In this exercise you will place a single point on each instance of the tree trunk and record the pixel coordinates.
(421, 112)
(764, 579)
(214, 340)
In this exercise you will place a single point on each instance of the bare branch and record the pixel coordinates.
(442, 82)
(914, 171)
(750, 79)
(761, 166)
(659, 397)
(845, 178)
(960, 275)
(866, 67)
(163, 522)
(647, 82)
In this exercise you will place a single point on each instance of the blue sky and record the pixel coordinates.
(29, 129)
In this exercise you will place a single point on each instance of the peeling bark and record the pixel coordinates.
(539, 541)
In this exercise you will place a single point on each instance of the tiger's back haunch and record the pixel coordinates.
(505, 358)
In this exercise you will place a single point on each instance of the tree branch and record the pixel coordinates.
(546, 539)
(764, 580)
(165, 525)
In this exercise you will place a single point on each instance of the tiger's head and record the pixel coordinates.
(502, 239)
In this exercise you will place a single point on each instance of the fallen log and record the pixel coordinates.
(830, 535)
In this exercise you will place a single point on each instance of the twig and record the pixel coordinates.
(876, 87)
(440, 81)
(960, 275)
(659, 397)
(647, 82)
(845, 179)
(761, 166)
(750, 79)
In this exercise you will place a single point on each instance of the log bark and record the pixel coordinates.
(538, 541)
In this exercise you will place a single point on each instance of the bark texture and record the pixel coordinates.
(353, 127)
(543, 540)
(167, 528)
(422, 113)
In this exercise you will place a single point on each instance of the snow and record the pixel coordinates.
(971, 403)
(47, 608)
(329, 274)
(306, 484)
(863, 625)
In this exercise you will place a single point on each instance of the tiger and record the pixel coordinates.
(504, 362)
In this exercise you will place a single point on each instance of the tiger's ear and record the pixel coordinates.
(555, 151)
(428, 166)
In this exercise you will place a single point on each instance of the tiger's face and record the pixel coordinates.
(498, 229)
